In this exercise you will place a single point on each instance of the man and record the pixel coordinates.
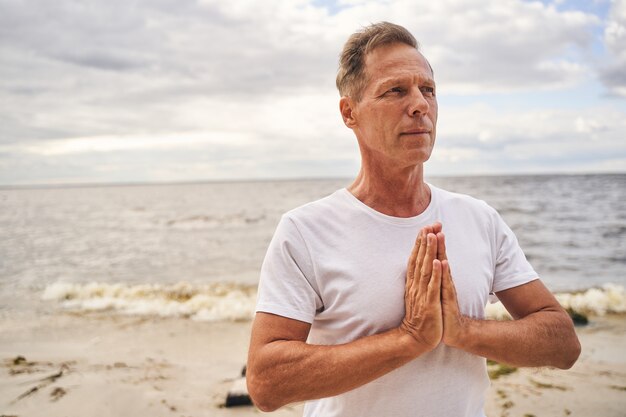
(344, 321)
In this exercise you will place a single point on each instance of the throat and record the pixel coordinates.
(400, 199)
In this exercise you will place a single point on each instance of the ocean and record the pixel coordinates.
(194, 250)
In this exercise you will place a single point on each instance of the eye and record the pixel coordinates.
(427, 91)
(396, 90)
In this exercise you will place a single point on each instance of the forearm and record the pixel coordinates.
(286, 371)
(283, 368)
(544, 338)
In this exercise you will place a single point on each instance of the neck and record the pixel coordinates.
(399, 192)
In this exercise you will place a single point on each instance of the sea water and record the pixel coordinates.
(195, 250)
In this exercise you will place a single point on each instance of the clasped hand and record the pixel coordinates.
(432, 311)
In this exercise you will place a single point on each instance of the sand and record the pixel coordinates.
(99, 365)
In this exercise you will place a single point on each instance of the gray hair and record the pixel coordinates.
(351, 77)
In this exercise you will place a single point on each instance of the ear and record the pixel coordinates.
(346, 107)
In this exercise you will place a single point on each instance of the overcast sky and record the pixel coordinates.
(182, 90)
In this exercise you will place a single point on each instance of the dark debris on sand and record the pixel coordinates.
(20, 365)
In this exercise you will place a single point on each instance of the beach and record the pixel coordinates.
(91, 364)
(137, 300)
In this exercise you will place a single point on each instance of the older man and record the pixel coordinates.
(344, 321)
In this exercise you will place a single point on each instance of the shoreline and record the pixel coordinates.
(127, 366)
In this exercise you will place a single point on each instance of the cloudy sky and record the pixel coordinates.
(177, 90)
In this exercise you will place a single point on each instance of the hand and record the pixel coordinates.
(422, 294)
(453, 321)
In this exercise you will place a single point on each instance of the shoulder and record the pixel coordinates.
(464, 212)
(318, 210)
(323, 220)
(463, 202)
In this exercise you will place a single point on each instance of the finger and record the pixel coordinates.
(448, 288)
(441, 247)
(426, 230)
(424, 234)
(421, 252)
(417, 271)
(427, 264)
(436, 227)
(434, 286)
(410, 269)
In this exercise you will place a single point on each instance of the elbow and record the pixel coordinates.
(261, 393)
(569, 352)
(572, 354)
(568, 348)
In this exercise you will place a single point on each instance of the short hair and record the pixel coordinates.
(351, 77)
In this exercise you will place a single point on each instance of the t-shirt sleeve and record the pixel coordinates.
(287, 284)
(511, 266)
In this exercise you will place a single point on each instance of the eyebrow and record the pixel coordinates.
(403, 78)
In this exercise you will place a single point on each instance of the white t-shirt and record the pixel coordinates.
(340, 265)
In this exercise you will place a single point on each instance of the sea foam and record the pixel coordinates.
(229, 301)
(210, 302)
(610, 298)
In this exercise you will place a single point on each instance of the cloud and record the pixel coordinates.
(485, 139)
(133, 85)
(505, 46)
(122, 143)
(613, 73)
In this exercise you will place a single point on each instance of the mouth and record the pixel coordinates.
(416, 132)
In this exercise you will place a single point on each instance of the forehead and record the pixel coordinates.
(396, 60)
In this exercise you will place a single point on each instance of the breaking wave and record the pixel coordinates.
(230, 301)
(210, 302)
(609, 299)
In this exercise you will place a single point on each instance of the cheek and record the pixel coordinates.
(435, 111)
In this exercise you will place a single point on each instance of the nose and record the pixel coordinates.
(418, 105)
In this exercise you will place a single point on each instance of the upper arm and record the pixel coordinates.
(271, 352)
(268, 328)
(528, 298)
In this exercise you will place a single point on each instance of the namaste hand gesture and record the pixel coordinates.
(432, 311)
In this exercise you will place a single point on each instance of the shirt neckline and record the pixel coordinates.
(401, 221)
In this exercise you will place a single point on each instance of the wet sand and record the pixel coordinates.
(65, 365)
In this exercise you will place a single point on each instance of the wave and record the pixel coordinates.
(234, 302)
(210, 302)
(608, 299)
(212, 222)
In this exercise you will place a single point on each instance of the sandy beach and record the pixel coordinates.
(135, 300)
(100, 365)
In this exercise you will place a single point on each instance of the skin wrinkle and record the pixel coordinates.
(391, 159)
(283, 368)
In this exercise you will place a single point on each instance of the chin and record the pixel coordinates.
(419, 156)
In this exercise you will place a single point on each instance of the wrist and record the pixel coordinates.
(410, 347)
(462, 334)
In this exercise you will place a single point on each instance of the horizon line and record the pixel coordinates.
(35, 186)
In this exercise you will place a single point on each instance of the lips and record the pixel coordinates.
(415, 132)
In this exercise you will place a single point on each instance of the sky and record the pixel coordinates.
(108, 91)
